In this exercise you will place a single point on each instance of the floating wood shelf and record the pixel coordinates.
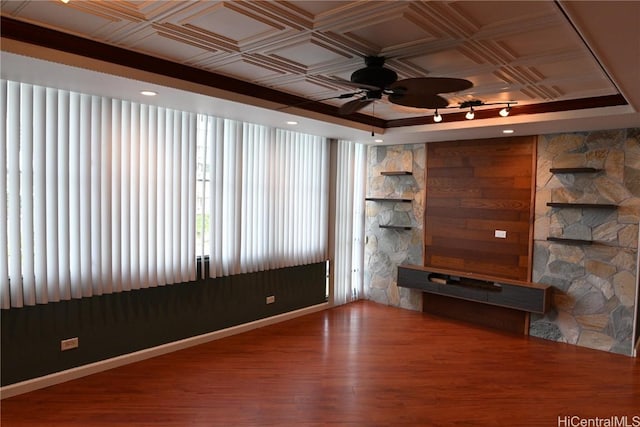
(388, 199)
(581, 205)
(395, 173)
(570, 241)
(574, 170)
(396, 227)
(513, 294)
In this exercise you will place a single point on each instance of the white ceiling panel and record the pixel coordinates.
(494, 15)
(391, 33)
(318, 9)
(307, 53)
(229, 23)
(449, 63)
(164, 45)
(245, 68)
(531, 52)
(74, 19)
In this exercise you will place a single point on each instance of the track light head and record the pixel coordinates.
(437, 117)
(470, 114)
(505, 111)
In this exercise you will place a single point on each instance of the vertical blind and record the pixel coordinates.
(349, 228)
(266, 197)
(106, 195)
(100, 195)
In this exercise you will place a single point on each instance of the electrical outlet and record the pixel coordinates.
(271, 299)
(501, 234)
(69, 344)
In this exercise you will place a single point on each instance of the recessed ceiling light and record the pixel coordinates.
(378, 140)
(292, 122)
(148, 93)
(507, 131)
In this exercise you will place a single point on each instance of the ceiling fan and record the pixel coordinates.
(375, 80)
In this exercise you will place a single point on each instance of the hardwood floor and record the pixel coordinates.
(362, 364)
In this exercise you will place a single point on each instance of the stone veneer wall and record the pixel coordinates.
(385, 249)
(595, 285)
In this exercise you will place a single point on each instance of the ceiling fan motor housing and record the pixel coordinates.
(374, 74)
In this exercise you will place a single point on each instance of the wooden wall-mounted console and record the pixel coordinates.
(489, 301)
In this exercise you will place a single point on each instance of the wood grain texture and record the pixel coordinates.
(501, 318)
(362, 364)
(545, 107)
(474, 188)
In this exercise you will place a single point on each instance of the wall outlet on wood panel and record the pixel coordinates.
(271, 299)
(501, 234)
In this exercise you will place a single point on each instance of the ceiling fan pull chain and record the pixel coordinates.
(373, 110)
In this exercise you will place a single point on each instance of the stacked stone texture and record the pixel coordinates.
(385, 248)
(594, 285)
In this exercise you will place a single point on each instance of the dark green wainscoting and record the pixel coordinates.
(117, 324)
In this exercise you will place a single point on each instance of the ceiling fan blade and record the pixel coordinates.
(422, 92)
(353, 106)
(411, 99)
(352, 84)
(309, 101)
(432, 85)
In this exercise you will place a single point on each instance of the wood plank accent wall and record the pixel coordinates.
(474, 188)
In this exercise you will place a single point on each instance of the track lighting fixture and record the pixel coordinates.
(437, 117)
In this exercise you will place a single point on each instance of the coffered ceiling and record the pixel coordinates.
(549, 57)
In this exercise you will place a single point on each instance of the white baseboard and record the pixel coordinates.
(103, 365)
